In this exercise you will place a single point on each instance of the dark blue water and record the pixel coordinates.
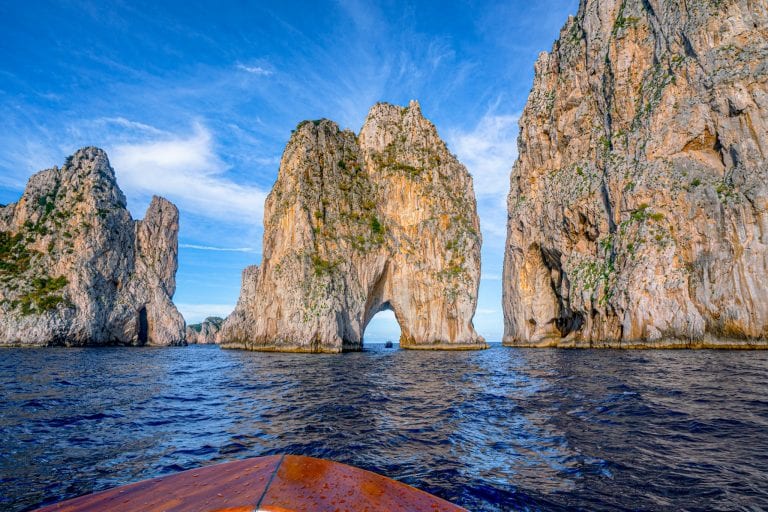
(501, 429)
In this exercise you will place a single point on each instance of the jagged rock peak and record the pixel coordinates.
(75, 269)
(354, 225)
(638, 208)
(206, 332)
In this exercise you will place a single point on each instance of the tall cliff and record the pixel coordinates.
(357, 224)
(75, 269)
(638, 209)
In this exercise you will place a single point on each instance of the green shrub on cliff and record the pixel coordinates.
(14, 255)
(42, 298)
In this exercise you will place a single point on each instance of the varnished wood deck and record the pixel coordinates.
(287, 483)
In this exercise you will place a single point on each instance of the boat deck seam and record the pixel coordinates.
(269, 482)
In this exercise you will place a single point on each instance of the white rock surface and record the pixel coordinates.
(75, 269)
(638, 210)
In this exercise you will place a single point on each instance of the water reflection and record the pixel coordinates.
(494, 430)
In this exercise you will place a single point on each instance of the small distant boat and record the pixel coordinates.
(388, 344)
(278, 483)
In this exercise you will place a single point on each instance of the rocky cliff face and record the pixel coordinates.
(638, 210)
(206, 332)
(75, 269)
(357, 224)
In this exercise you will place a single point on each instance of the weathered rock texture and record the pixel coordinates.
(357, 224)
(206, 332)
(638, 210)
(75, 269)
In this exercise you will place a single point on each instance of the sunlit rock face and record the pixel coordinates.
(638, 210)
(206, 332)
(357, 224)
(75, 269)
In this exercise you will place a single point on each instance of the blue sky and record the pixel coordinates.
(195, 101)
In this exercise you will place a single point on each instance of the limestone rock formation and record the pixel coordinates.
(206, 332)
(357, 224)
(75, 269)
(638, 210)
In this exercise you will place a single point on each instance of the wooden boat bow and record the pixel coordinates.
(278, 483)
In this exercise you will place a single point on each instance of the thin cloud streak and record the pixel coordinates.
(131, 125)
(217, 249)
(255, 70)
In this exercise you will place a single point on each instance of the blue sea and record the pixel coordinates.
(496, 430)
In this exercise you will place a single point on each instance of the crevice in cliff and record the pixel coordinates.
(688, 47)
(143, 334)
(608, 92)
(606, 102)
(649, 8)
(658, 33)
(718, 147)
(567, 320)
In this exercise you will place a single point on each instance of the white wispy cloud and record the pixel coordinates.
(219, 249)
(194, 313)
(131, 125)
(186, 170)
(438, 52)
(490, 277)
(488, 150)
(255, 70)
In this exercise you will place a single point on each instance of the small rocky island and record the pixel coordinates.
(76, 269)
(206, 332)
(360, 223)
(638, 210)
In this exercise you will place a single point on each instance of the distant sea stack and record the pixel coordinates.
(358, 224)
(638, 210)
(76, 270)
(206, 332)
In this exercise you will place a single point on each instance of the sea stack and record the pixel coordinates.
(638, 209)
(206, 332)
(76, 270)
(356, 224)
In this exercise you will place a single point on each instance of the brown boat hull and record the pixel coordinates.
(279, 483)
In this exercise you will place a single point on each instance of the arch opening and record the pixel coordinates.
(382, 327)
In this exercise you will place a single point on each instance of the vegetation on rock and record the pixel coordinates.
(359, 223)
(638, 204)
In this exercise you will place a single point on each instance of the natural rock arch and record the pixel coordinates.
(377, 301)
(356, 223)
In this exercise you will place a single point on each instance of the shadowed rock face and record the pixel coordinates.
(206, 332)
(638, 210)
(75, 269)
(357, 224)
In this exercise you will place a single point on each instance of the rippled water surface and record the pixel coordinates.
(501, 429)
